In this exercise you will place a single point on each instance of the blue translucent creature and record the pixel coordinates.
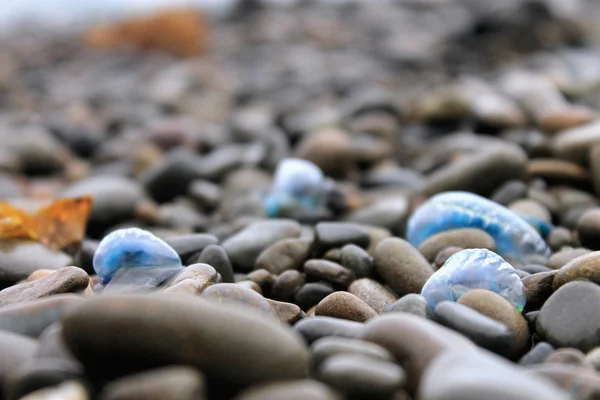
(474, 269)
(132, 248)
(516, 240)
(297, 185)
(544, 228)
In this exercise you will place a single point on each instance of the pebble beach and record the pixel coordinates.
(297, 200)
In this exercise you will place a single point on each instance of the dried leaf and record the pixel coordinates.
(182, 33)
(58, 225)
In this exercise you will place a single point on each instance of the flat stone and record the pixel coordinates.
(65, 280)
(156, 330)
(489, 377)
(244, 247)
(284, 255)
(168, 383)
(583, 267)
(290, 390)
(339, 234)
(401, 266)
(31, 318)
(414, 341)
(231, 292)
(361, 376)
(482, 330)
(373, 293)
(20, 259)
(467, 238)
(329, 346)
(345, 306)
(329, 271)
(563, 257)
(316, 327)
(411, 303)
(568, 318)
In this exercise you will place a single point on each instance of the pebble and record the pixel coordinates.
(509, 192)
(168, 383)
(287, 313)
(328, 148)
(574, 144)
(317, 327)
(568, 356)
(234, 293)
(411, 303)
(537, 355)
(188, 246)
(220, 340)
(567, 318)
(373, 293)
(559, 237)
(115, 200)
(34, 374)
(593, 357)
(286, 285)
(333, 345)
(65, 280)
(198, 272)
(467, 238)
(361, 376)
(32, 317)
(401, 266)
(580, 383)
(538, 287)
(70, 390)
(563, 257)
(444, 255)
(284, 255)
(16, 350)
(588, 229)
(290, 390)
(244, 247)
(329, 235)
(498, 165)
(515, 239)
(414, 341)
(595, 167)
(345, 305)
(329, 271)
(490, 377)
(357, 259)
(205, 194)
(18, 260)
(132, 248)
(215, 256)
(583, 267)
(482, 330)
(388, 212)
(474, 269)
(498, 308)
(312, 293)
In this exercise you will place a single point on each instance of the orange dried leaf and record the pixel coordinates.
(16, 223)
(182, 33)
(63, 222)
(58, 225)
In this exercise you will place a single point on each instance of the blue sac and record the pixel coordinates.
(132, 248)
(297, 184)
(516, 240)
(474, 269)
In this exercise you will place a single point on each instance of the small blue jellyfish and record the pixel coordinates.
(132, 248)
(297, 185)
(516, 240)
(474, 269)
